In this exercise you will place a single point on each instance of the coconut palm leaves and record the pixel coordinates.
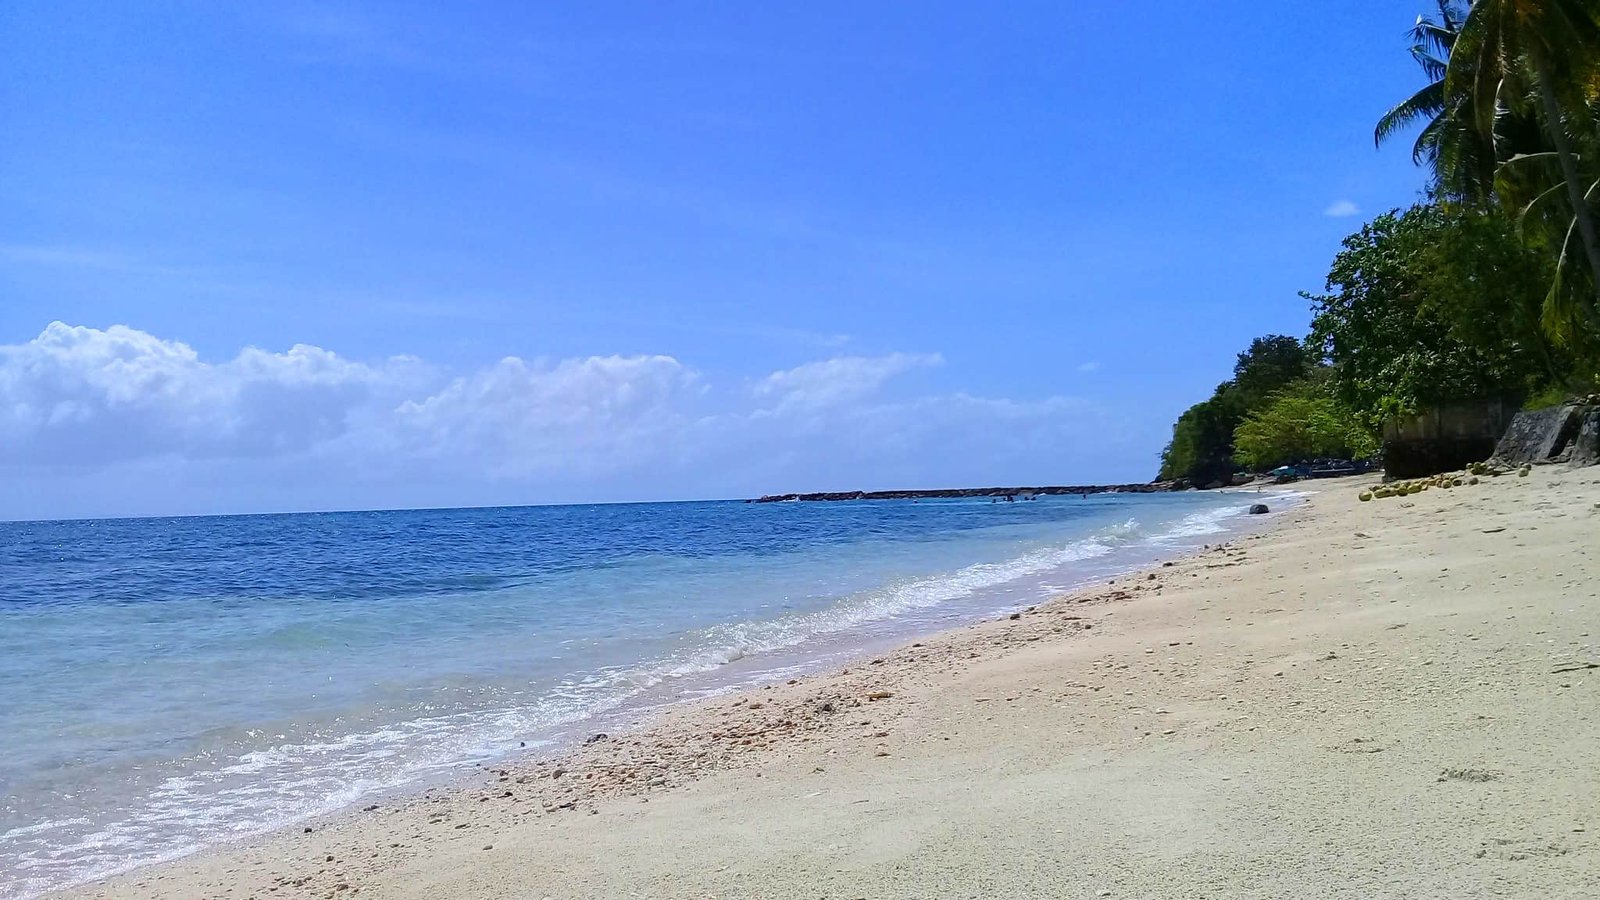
(1510, 116)
(1459, 162)
(1537, 185)
(1534, 56)
(1431, 41)
(1508, 52)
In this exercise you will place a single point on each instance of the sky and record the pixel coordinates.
(296, 256)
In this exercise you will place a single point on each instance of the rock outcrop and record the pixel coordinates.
(1566, 433)
(1585, 449)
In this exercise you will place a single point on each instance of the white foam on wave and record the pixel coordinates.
(260, 791)
(720, 645)
(1200, 524)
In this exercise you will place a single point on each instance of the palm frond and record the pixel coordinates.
(1436, 36)
(1557, 314)
(1528, 209)
(1432, 66)
(1426, 151)
(1424, 104)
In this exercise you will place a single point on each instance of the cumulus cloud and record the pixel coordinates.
(308, 426)
(1342, 209)
(830, 382)
(83, 395)
(581, 415)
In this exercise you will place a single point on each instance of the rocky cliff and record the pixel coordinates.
(1566, 433)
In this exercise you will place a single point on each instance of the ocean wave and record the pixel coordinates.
(1201, 524)
(723, 644)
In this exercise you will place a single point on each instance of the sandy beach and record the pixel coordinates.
(1385, 699)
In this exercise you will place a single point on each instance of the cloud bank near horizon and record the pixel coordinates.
(118, 420)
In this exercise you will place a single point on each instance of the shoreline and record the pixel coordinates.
(581, 767)
(896, 728)
(605, 772)
(1176, 485)
(1107, 552)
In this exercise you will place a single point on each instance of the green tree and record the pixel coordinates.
(1507, 117)
(1459, 162)
(1423, 309)
(1302, 422)
(1270, 364)
(1201, 449)
(1474, 271)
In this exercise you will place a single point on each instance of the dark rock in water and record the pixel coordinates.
(597, 738)
(1257, 509)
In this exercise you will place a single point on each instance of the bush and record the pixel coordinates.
(1302, 422)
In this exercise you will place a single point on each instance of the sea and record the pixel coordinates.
(167, 684)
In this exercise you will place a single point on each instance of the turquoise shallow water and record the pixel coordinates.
(169, 683)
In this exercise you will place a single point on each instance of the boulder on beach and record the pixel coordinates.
(1257, 509)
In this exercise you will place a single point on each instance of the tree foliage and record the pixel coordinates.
(1490, 290)
(1270, 364)
(1202, 446)
(1201, 449)
(1460, 163)
(1509, 107)
(1536, 59)
(1302, 422)
(1431, 306)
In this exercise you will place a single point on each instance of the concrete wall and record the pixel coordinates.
(1445, 438)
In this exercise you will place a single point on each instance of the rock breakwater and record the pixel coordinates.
(1009, 493)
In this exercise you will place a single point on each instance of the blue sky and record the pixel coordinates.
(392, 254)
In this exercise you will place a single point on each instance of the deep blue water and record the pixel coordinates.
(167, 683)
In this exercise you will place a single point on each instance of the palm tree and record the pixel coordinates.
(1459, 162)
(1510, 55)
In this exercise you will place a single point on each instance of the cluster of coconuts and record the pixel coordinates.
(1444, 481)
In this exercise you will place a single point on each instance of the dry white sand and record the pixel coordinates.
(1393, 699)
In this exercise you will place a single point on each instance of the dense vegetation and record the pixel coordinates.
(1280, 406)
(1488, 290)
(1432, 305)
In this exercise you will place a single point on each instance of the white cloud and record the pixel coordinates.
(1089, 366)
(578, 415)
(1341, 209)
(830, 382)
(309, 428)
(77, 395)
